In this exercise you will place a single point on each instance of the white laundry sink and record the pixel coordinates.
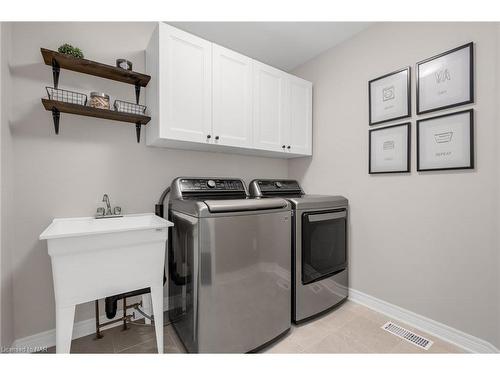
(95, 258)
(85, 226)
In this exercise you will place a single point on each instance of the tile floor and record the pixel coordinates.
(136, 339)
(352, 328)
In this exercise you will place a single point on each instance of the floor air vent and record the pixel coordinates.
(409, 336)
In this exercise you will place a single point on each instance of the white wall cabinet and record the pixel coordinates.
(299, 135)
(282, 111)
(206, 97)
(231, 98)
(269, 105)
(180, 99)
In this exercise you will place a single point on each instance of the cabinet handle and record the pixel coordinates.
(288, 147)
(283, 147)
(216, 137)
(209, 136)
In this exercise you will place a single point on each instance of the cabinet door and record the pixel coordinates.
(187, 85)
(232, 98)
(270, 97)
(299, 129)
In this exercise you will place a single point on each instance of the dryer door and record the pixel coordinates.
(323, 244)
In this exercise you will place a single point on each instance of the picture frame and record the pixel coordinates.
(446, 142)
(446, 80)
(389, 97)
(389, 149)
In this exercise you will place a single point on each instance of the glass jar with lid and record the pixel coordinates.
(99, 100)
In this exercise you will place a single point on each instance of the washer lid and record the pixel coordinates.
(235, 205)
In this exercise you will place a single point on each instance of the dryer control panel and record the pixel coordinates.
(263, 188)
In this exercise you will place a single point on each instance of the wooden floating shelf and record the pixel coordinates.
(85, 110)
(60, 61)
(93, 68)
(62, 107)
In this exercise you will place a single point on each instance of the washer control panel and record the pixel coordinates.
(209, 185)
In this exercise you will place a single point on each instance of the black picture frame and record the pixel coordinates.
(471, 141)
(471, 79)
(408, 97)
(408, 148)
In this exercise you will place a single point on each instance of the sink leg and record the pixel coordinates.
(64, 328)
(157, 299)
(124, 315)
(98, 334)
(147, 307)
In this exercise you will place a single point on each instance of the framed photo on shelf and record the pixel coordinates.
(389, 149)
(446, 80)
(389, 97)
(446, 142)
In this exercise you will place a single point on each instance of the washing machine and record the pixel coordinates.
(229, 266)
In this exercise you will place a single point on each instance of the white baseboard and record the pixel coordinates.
(46, 339)
(454, 336)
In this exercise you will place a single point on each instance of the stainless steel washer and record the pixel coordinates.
(229, 266)
(319, 247)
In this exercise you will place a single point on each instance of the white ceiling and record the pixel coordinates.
(284, 45)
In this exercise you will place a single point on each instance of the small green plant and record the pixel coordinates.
(68, 49)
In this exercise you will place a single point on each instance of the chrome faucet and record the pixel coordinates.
(105, 199)
(107, 212)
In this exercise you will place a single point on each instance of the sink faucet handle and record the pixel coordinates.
(117, 211)
(100, 211)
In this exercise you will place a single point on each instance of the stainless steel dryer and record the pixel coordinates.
(229, 266)
(319, 247)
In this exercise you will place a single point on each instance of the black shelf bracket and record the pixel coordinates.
(138, 131)
(137, 92)
(55, 72)
(55, 116)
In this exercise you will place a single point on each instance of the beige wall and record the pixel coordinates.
(66, 175)
(6, 188)
(424, 241)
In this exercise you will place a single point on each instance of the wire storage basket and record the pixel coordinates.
(127, 107)
(66, 96)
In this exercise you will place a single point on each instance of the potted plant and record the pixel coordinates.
(69, 50)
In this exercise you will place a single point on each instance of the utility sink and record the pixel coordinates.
(86, 226)
(95, 258)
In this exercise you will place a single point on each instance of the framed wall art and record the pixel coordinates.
(389, 97)
(389, 149)
(446, 142)
(446, 80)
